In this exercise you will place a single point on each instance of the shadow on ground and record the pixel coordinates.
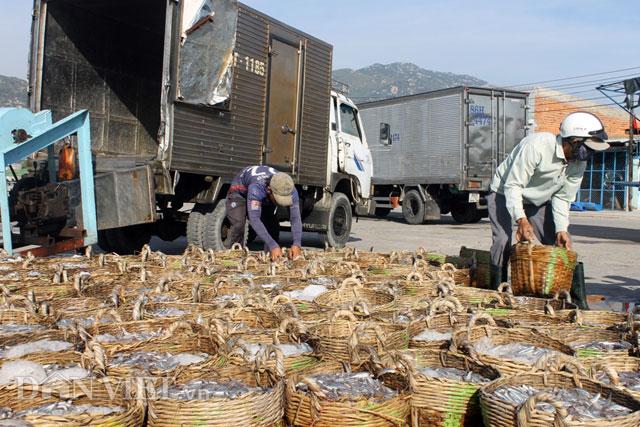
(607, 233)
(618, 288)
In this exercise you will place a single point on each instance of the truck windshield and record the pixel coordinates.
(206, 53)
(349, 121)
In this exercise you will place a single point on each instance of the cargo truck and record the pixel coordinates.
(435, 153)
(182, 96)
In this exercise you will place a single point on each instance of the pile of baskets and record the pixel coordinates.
(229, 338)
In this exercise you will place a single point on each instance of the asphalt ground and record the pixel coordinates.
(606, 242)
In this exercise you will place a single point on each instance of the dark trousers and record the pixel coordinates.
(540, 217)
(237, 217)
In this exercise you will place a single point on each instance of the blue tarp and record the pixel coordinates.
(585, 206)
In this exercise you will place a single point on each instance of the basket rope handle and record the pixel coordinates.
(415, 276)
(558, 362)
(268, 352)
(446, 304)
(526, 410)
(479, 316)
(445, 288)
(563, 295)
(360, 306)
(294, 327)
(505, 287)
(175, 326)
(355, 283)
(341, 314)
(449, 267)
(608, 370)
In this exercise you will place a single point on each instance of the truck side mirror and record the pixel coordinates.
(385, 134)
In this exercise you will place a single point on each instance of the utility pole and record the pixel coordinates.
(630, 148)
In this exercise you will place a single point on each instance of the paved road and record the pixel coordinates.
(607, 243)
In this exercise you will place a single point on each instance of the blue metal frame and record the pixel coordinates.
(43, 135)
(607, 181)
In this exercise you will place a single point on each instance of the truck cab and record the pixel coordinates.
(348, 149)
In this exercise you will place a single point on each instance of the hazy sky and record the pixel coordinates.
(501, 41)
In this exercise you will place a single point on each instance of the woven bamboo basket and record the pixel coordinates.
(504, 414)
(103, 392)
(575, 336)
(444, 316)
(607, 370)
(67, 356)
(541, 270)
(97, 356)
(596, 318)
(464, 340)
(351, 290)
(560, 301)
(313, 409)
(442, 401)
(339, 339)
(253, 409)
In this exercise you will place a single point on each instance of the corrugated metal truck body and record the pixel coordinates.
(450, 139)
(187, 93)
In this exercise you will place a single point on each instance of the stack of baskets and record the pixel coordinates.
(224, 338)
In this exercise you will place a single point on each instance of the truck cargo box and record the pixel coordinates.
(455, 136)
(144, 70)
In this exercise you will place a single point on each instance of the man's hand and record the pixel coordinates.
(563, 239)
(524, 233)
(295, 252)
(276, 253)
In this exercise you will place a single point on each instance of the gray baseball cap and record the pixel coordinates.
(282, 189)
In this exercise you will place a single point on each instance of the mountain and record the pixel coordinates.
(13, 92)
(381, 81)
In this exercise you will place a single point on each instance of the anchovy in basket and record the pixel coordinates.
(579, 402)
(604, 345)
(519, 352)
(350, 386)
(68, 408)
(203, 390)
(157, 361)
(453, 374)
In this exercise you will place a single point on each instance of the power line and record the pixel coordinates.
(573, 78)
(590, 82)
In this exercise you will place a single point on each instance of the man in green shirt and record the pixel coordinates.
(535, 185)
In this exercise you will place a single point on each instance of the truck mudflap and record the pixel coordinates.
(318, 219)
(125, 197)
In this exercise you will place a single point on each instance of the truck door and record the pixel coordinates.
(283, 101)
(481, 137)
(354, 155)
(512, 122)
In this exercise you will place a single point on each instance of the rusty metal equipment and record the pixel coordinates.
(46, 214)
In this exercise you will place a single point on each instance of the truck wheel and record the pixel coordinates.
(195, 225)
(382, 212)
(466, 213)
(124, 240)
(413, 208)
(215, 227)
(340, 219)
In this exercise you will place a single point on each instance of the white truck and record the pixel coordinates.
(436, 152)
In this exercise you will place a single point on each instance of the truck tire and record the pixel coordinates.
(215, 226)
(195, 225)
(466, 213)
(340, 220)
(124, 240)
(382, 212)
(413, 207)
